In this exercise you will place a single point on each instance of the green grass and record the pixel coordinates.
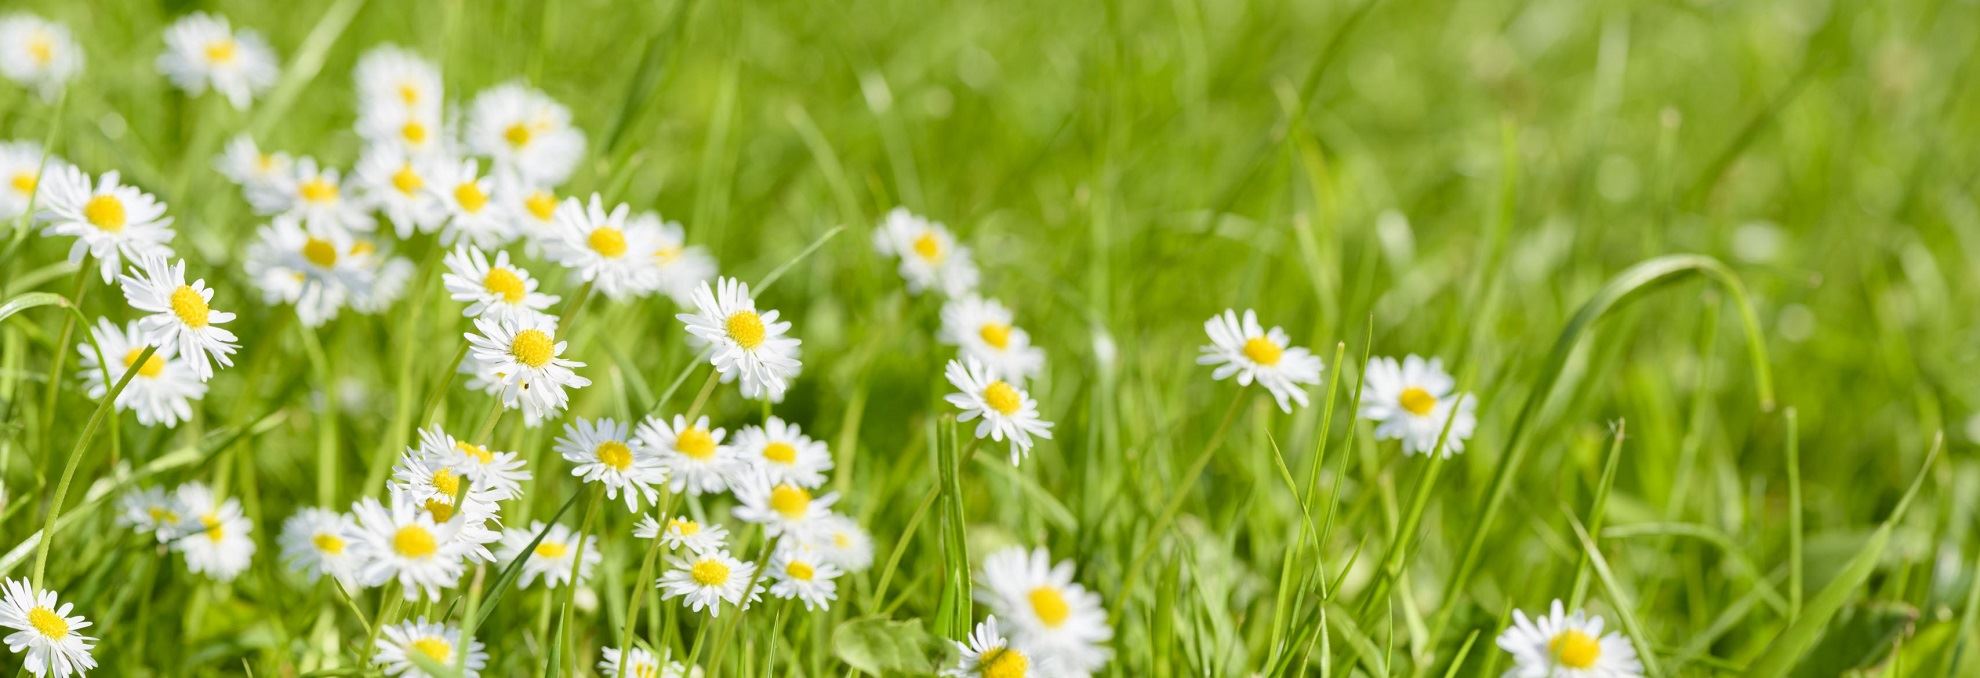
(1707, 268)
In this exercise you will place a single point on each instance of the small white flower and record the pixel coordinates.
(393, 76)
(639, 663)
(163, 391)
(604, 454)
(800, 574)
(707, 580)
(679, 269)
(21, 174)
(522, 355)
(784, 452)
(781, 508)
(38, 53)
(988, 654)
(841, 541)
(472, 215)
(551, 558)
(417, 131)
(1062, 623)
(747, 345)
(499, 288)
(309, 269)
(533, 210)
(1560, 645)
(931, 259)
(1006, 410)
(398, 185)
(1253, 353)
(317, 542)
(178, 313)
(202, 51)
(1411, 401)
(526, 132)
(982, 329)
(254, 170)
(110, 221)
(500, 474)
(405, 544)
(684, 532)
(437, 642)
(213, 534)
(43, 627)
(426, 478)
(604, 248)
(693, 455)
(152, 510)
(316, 195)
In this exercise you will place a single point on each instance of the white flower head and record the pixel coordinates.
(311, 269)
(436, 641)
(841, 541)
(523, 356)
(526, 132)
(551, 558)
(781, 508)
(399, 185)
(679, 268)
(499, 474)
(425, 476)
(707, 580)
(604, 248)
(165, 387)
(753, 347)
(38, 53)
(982, 329)
(416, 131)
(1253, 353)
(693, 455)
(179, 313)
(42, 626)
(23, 167)
(784, 452)
(393, 77)
(1561, 645)
(931, 259)
(1060, 621)
(473, 216)
(109, 220)
(254, 170)
(316, 195)
(494, 288)
(1412, 400)
(1006, 409)
(532, 209)
(202, 51)
(317, 543)
(402, 543)
(605, 454)
(798, 573)
(212, 534)
(684, 532)
(151, 509)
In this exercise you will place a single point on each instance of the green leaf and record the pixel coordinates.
(30, 300)
(885, 646)
(1862, 637)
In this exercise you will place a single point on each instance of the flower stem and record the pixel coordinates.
(75, 459)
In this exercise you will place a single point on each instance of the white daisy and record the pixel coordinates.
(746, 344)
(436, 641)
(840, 541)
(605, 250)
(202, 51)
(551, 559)
(472, 518)
(43, 627)
(526, 132)
(472, 215)
(522, 355)
(496, 289)
(213, 534)
(532, 209)
(1412, 400)
(316, 542)
(416, 131)
(1006, 409)
(165, 387)
(982, 329)
(781, 508)
(784, 452)
(110, 221)
(38, 53)
(639, 663)
(397, 184)
(800, 574)
(21, 173)
(684, 532)
(693, 456)
(988, 654)
(402, 543)
(1560, 645)
(254, 170)
(393, 75)
(707, 580)
(1060, 621)
(679, 269)
(310, 269)
(1253, 353)
(604, 454)
(426, 478)
(931, 259)
(500, 474)
(178, 313)
(151, 510)
(316, 195)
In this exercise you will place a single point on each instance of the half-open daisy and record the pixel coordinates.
(1562, 645)
(748, 346)
(43, 627)
(982, 329)
(164, 389)
(707, 580)
(494, 288)
(1006, 410)
(693, 455)
(1253, 353)
(605, 454)
(1059, 620)
(436, 642)
(523, 357)
(202, 51)
(1412, 400)
(110, 221)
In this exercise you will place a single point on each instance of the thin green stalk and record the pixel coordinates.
(1178, 494)
(78, 286)
(103, 409)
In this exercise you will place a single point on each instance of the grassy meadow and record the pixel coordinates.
(1705, 268)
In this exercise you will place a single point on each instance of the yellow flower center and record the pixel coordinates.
(48, 623)
(215, 530)
(190, 306)
(615, 454)
(23, 182)
(264, 162)
(1263, 351)
(320, 252)
(318, 190)
(152, 365)
(697, 443)
(471, 197)
(533, 348)
(1575, 650)
(362, 247)
(666, 254)
(1002, 397)
(221, 51)
(517, 135)
(1418, 401)
(995, 334)
(328, 543)
(607, 241)
(746, 328)
(790, 500)
(446, 482)
(799, 571)
(684, 527)
(841, 540)
(550, 549)
(413, 132)
(780, 452)
(41, 48)
(645, 671)
(162, 515)
(480, 454)
(541, 204)
(413, 541)
(408, 93)
(435, 648)
(441, 508)
(504, 282)
(1003, 662)
(407, 180)
(105, 212)
(709, 572)
(1050, 606)
(927, 247)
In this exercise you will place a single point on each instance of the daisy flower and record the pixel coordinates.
(178, 313)
(707, 580)
(164, 389)
(38, 53)
(316, 542)
(781, 508)
(471, 519)
(982, 329)
(497, 289)
(415, 131)
(1561, 645)
(604, 454)
(43, 627)
(1412, 399)
(202, 51)
(110, 221)
(436, 641)
(522, 355)
(749, 346)
(799, 574)
(1251, 352)
(394, 75)
(1006, 410)
(213, 534)
(679, 269)
(500, 474)
(988, 654)
(309, 269)
(396, 184)
(149, 510)
(1060, 621)
(473, 217)
(638, 663)
(602, 248)
(931, 259)
(316, 195)
(693, 456)
(684, 532)
(426, 479)
(404, 544)
(526, 132)
(840, 541)
(783, 452)
(551, 559)
(533, 210)
(254, 170)
(21, 172)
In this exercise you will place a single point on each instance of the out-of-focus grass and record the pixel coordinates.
(1402, 176)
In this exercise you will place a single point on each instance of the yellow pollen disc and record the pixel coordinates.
(696, 443)
(105, 212)
(709, 572)
(927, 247)
(645, 671)
(189, 306)
(221, 51)
(41, 49)
(615, 454)
(328, 543)
(799, 571)
(23, 182)
(790, 501)
(1262, 351)
(264, 162)
(541, 204)
(1002, 397)
(413, 132)
(504, 282)
(408, 93)
(435, 648)
(1004, 662)
(361, 247)
(152, 365)
(318, 190)
(162, 516)
(840, 540)
(607, 241)
(413, 541)
(997, 335)
(320, 252)
(685, 527)
(446, 482)
(1418, 401)
(480, 454)
(517, 135)
(441, 510)
(533, 348)
(667, 255)
(471, 197)
(1050, 606)
(1575, 650)
(550, 549)
(746, 328)
(780, 452)
(407, 181)
(47, 623)
(215, 530)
